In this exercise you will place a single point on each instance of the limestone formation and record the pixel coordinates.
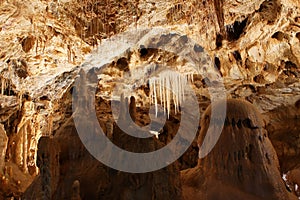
(48, 163)
(76, 190)
(293, 181)
(70, 161)
(242, 165)
(160, 184)
(132, 108)
(3, 147)
(253, 47)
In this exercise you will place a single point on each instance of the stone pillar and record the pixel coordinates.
(48, 162)
(3, 147)
(76, 190)
(132, 108)
(243, 159)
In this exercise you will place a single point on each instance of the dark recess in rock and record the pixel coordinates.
(235, 30)
(297, 104)
(217, 63)
(143, 51)
(27, 43)
(291, 69)
(237, 56)
(44, 98)
(298, 35)
(259, 79)
(270, 10)
(219, 39)
(122, 64)
(279, 35)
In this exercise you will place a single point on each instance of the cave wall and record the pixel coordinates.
(254, 44)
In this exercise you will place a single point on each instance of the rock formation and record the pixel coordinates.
(251, 47)
(292, 179)
(242, 165)
(76, 191)
(68, 169)
(3, 146)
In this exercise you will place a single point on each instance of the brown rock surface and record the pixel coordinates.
(69, 169)
(242, 165)
(3, 147)
(255, 45)
(292, 179)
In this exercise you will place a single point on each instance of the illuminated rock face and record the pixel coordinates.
(242, 165)
(254, 44)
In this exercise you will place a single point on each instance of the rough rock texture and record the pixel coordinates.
(292, 180)
(242, 165)
(255, 45)
(68, 170)
(283, 128)
(3, 147)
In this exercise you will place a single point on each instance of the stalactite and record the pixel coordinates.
(19, 147)
(37, 46)
(168, 88)
(69, 53)
(3, 85)
(25, 147)
(22, 145)
(26, 127)
(34, 142)
(20, 96)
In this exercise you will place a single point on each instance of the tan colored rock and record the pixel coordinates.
(3, 147)
(42, 43)
(242, 165)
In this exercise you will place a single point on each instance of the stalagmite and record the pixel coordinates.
(25, 128)
(242, 165)
(76, 190)
(3, 147)
(48, 162)
(132, 108)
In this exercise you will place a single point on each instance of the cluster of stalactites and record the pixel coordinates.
(4, 84)
(167, 88)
